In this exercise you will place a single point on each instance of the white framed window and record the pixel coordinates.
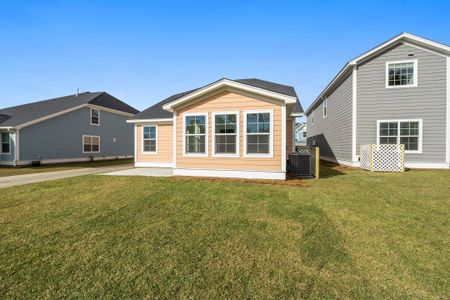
(226, 134)
(325, 107)
(149, 139)
(195, 133)
(258, 126)
(95, 117)
(401, 73)
(6, 143)
(313, 116)
(304, 135)
(91, 144)
(407, 132)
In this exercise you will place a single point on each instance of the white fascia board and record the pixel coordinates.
(297, 114)
(150, 120)
(110, 110)
(7, 127)
(229, 83)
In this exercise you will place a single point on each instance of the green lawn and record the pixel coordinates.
(11, 171)
(352, 234)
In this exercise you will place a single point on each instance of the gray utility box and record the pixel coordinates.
(300, 164)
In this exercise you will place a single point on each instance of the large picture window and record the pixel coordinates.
(6, 144)
(149, 139)
(258, 133)
(196, 134)
(401, 74)
(407, 132)
(91, 144)
(226, 130)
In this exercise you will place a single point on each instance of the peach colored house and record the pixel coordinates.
(229, 128)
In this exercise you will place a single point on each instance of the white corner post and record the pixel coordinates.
(135, 143)
(354, 115)
(283, 138)
(447, 137)
(174, 139)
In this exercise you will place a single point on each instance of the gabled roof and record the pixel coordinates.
(162, 109)
(17, 116)
(404, 37)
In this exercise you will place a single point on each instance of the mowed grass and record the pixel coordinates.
(11, 171)
(352, 234)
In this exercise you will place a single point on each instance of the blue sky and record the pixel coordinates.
(144, 51)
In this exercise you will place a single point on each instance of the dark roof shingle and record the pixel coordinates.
(157, 112)
(21, 114)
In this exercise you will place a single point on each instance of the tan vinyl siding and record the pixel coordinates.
(164, 145)
(225, 102)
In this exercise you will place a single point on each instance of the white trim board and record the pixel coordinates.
(74, 159)
(447, 138)
(354, 111)
(145, 164)
(230, 174)
(228, 83)
(283, 138)
(413, 165)
(161, 120)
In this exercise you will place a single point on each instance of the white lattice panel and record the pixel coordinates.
(365, 157)
(387, 158)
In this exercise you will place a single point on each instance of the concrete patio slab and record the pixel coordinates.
(159, 172)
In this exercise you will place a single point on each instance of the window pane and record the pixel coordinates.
(258, 144)
(5, 137)
(195, 144)
(388, 140)
(220, 128)
(411, 143)
(225, 144)
(87, 140)
(95, 148)
(231, 118)
(95, 140)
(252, 128)
(87, 148)
(5, 147)
(252, 118)
(264, 117)
(220, 119)
(401, 74)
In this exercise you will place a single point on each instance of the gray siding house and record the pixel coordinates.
(396, 93)
(81, 127)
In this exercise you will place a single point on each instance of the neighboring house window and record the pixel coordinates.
(149, 138)
(95, 116)
(401, 74)
(313, 115)
(259, 133)
(195, 134)
(325, 107)
(6, 144)
(226, 133)
(91, 144)
(304, 135)
(407, 132)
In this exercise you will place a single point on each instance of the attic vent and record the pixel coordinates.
(411, 54)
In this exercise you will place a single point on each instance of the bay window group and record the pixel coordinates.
(257, 133)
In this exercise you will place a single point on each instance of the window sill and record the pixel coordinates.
(226, 155)
(401, 86)
(195, 155)
(149, 152)
(258, 155)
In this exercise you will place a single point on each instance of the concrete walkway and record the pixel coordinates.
(16, 180)
(160, 172)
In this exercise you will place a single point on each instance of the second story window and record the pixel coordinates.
(325, 107)
(95, 116)
(401, 74)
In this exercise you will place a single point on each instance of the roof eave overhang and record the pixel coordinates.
(228, 83)
(7, 127)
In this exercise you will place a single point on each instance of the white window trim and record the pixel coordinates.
(185, 154)
(156, 140)
(244, 128)
(325, 112)
(415, 77)
(9, 143)
(98, 117)
(213, 133)
(99, 143)
(419, 150)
